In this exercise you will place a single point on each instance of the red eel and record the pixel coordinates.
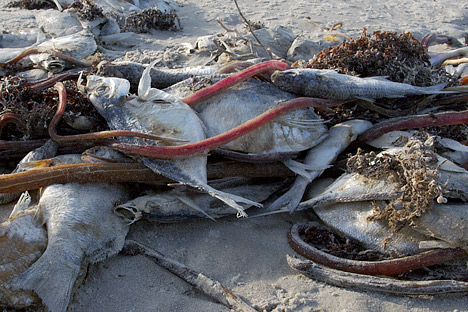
(233, 80)
(385, 267)
(204, 146)
(411, 122)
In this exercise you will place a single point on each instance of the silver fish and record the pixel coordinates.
(346, 205)
(161, 77)
(157, 112)
(174, 205)
(323, 154)
(81, 229)
(296, 131)
(330, 84)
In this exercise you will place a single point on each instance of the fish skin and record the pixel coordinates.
(81, 229)
(330, 84)
(447, 222)
(296, 131)
(157, 112)
(22, 242)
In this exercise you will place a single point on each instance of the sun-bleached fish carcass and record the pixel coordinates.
(22, 242)
(156, 112)
(387, 215)
(81, 229)
(296, 131)
(330, 84)
(175, 205)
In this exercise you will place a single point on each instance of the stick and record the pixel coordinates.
(125, 172)
(252, 31)
(206, 285)
(373, 283)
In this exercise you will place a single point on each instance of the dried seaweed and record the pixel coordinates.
(414, 169)
(86, 10)
(144, 21)
(32, 4)
(36, 109)
(400, 57)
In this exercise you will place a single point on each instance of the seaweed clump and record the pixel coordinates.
(152, 18)
(29, 113)
(32, 4)
(400, 57)
(413, 169)
(86, 10)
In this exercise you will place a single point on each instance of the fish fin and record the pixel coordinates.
(52, 278)
(22, 204)
(303, 169)
(146, 93)
(368, 100)
(437, 89)
(291, 199)
(184, 199)
(230, 199)
(382, 78)
(173, 170)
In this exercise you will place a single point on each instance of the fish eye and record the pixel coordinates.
(102, 90)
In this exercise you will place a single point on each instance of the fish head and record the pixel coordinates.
(105, 92)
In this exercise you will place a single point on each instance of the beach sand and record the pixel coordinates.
(249, 255)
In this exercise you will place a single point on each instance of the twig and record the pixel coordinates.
(252, 31)
(208, 286)
(373, 283)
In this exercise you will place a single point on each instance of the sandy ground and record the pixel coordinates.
(249, 255)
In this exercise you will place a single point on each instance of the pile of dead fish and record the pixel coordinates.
(401, 191)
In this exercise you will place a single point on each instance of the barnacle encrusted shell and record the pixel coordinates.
(22, 242)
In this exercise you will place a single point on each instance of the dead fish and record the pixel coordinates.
(161, 77)
(156, 112)
(22, 242)
(330, 84)
(296, 131)
(319, 156)
(174, 205)
(81, 229)
(348, 202)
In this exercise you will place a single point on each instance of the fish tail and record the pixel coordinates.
(50, 279)
(436, 89)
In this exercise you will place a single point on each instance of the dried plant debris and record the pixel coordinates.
(415, 171)
(32, 4)
(153, 18)
(31, 112)
(400, 57)
(86, 10)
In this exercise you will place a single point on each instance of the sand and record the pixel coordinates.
(249, 255)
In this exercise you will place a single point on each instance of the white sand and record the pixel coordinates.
(249, 255)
